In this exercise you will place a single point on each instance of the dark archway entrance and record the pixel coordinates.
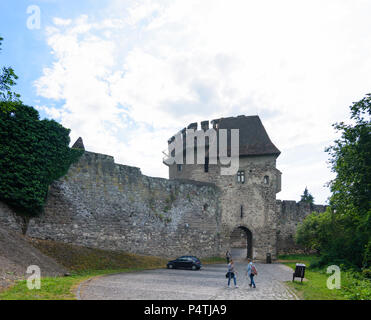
(241, 243)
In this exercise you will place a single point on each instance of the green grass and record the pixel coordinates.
(57, 288)
(353, 285)
(212, 260)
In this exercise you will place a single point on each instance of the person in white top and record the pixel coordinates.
(231, 274)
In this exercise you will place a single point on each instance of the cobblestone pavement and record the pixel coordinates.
(209, 283)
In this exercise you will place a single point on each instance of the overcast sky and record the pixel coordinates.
(127, 75)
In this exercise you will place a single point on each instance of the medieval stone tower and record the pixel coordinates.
(248, 198)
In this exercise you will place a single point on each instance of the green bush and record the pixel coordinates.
(367, 255)
(356, 286)
(367, 273)
(336, 237)
(33, 153)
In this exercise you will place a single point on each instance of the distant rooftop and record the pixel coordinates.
(254, 139)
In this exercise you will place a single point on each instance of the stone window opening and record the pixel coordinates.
(241, 176)
(266, 180)
(241, 211)
(206, 165)
(179, 166)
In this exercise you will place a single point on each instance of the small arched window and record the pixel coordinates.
(266, 180)
(241, 176)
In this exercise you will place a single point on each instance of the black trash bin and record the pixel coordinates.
(269, 258)
(299, 271)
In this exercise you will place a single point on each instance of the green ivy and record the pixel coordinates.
(33, 154)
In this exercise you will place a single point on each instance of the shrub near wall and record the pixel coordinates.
(33, 153)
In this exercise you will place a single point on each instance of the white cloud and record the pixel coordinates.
(51, 112)
(62, 22)
(131, 80)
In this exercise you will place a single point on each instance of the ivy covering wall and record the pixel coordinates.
(33, 153)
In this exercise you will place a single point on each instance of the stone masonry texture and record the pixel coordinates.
(106, 205)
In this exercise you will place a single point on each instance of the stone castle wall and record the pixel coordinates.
(10, 220)
(250, 205)
(111, 206)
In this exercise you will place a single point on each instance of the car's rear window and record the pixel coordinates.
(188, 258)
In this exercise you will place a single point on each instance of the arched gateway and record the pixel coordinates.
(241, 243)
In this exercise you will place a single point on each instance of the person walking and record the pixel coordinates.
(231, 274)
(228, 256)
(251, 272)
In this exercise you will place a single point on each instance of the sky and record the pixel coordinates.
(127, 75)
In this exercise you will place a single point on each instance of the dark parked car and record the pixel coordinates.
(185, 262)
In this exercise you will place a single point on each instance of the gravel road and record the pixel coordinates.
(209, 283)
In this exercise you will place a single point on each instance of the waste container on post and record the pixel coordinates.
(269, 258)
(299, 271)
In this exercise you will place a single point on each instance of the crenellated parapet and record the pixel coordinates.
(204, 125)
(253, 138)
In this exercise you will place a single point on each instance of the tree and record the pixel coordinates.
(33, 153)
(351, 160)
(7, 81)
(324, 232)
(344, 230)
(314, 231)
(307, 197)
(351, 188)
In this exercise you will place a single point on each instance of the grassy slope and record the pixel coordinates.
(316, 286)
(79, 259)
(83, 263)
